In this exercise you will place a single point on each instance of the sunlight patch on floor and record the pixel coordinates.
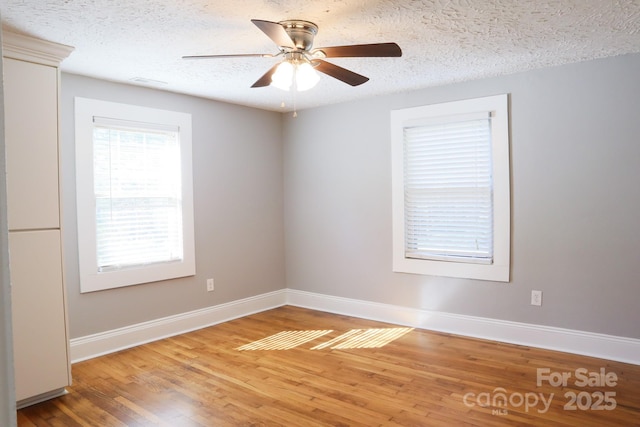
(355, 338)
(364, 338)
(284, 340)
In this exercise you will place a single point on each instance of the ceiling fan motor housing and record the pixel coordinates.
(301, 32)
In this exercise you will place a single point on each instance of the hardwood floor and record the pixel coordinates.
(419, 378)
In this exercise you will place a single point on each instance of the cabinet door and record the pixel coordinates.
(39, 324)
(31, 135)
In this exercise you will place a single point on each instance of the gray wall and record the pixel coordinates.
(575, 150)
(268, 190)
(238, 209)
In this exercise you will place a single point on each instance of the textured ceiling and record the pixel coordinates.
(443, 41)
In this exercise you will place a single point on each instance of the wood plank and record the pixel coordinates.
(421, 378)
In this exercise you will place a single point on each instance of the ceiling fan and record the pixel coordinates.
(294, 39)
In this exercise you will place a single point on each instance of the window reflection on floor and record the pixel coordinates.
(284, 340)
(355, 338)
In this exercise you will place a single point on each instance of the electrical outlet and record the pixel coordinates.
(536, 297)
(210, 286)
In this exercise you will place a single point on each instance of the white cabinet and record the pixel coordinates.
(40, 338)
(31, 117)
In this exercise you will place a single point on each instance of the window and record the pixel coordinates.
(451, 192)
(134, 194)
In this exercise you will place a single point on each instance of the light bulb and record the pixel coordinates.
(283, 76)
(306, 77)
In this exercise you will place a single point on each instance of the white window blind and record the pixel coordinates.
(448, 190)
(138, 201)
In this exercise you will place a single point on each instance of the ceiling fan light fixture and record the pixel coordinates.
(290, 72)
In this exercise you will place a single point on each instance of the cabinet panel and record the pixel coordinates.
(39, 324)
(31, 134)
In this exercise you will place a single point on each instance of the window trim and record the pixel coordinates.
(499, 269)
(90, 279)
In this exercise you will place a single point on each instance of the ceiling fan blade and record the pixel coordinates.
(239, 55)
(342, 74)
(361, 50)
(265, 80)
(275, 32)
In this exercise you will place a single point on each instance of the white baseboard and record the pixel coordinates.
(603, 346)
(586, 343)
(95, 345)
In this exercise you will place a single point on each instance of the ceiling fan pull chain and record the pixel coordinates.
(295, 104)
